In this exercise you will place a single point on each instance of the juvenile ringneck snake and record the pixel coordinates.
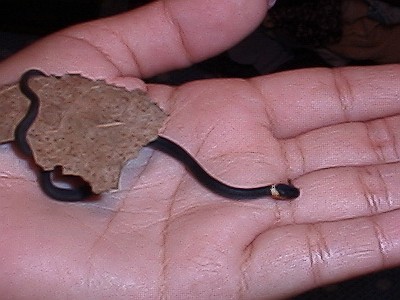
(278, 191)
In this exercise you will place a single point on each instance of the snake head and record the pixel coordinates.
(281, 191)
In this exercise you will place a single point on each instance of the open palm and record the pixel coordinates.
(163, 235)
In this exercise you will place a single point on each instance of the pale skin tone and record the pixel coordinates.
(334, 132)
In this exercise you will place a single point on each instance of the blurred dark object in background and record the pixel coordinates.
(41, 17)
(312, 33)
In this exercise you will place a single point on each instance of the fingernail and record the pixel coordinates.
(270, 3)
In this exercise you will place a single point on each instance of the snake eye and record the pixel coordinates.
(282, 191)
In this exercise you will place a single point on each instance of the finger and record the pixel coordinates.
(303, 100)
(161, 36)
(309, 256)
(348, 144)
(344, 193)
(348, 170)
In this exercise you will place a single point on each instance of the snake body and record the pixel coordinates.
(279, 191)
(45, 177)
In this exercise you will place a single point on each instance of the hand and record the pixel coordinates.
(333, 132)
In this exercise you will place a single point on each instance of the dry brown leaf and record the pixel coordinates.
(89, 128)
(13, 107)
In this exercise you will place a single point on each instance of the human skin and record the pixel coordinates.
(334, 132)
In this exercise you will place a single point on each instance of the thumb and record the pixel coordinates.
(155, 38)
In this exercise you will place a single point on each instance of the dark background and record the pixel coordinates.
(23, 21)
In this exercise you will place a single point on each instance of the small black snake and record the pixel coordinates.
(279, 191)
